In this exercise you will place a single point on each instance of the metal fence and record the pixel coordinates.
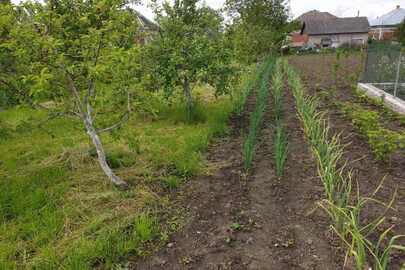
(385, 68)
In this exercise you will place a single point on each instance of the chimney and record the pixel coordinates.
(358, 13)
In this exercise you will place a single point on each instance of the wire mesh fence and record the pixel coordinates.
(385, 68)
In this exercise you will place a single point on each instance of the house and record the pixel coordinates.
(384, 27)
(315, 15)
(323, 29)
(147, 28)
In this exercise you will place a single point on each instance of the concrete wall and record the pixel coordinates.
(396, 104)
(339, 39)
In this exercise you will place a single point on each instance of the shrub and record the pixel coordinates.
(382, 141)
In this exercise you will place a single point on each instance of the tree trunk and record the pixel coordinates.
(91, 131)
(101, 155)
(187, 95)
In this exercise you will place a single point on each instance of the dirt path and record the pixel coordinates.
(257, 223)
(316, 74)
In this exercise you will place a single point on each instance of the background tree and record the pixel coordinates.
(190, 49)
(258, 26)
(85, 61)
(11, 67)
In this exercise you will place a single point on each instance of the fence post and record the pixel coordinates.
(397, 78)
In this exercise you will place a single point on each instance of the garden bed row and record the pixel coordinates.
(368, 244)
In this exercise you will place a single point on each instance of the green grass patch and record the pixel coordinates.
(57, 209)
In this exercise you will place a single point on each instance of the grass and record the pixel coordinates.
(256, 117)
(57, 210)
(345, 211)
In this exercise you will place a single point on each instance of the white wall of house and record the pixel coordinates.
(339, 39)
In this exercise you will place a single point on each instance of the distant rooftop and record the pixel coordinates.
(392, 18)
(315, 15)
(336, 26)
(145, 22)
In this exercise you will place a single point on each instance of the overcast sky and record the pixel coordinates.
(341, 8)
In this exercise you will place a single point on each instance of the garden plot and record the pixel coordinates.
(307, 199)
(373, 136)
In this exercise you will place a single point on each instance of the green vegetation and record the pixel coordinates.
(345, 211)
(280, 135)
(280, 149)
(326, 148)
(256, 117)
(190, 49)
(382, 141)
(258, 29)
(53, 212)
(248, 82)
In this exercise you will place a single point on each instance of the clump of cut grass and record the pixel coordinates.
(257, 115)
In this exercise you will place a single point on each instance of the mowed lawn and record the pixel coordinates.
(58, 211)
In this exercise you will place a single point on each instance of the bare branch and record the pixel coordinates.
(75, 94)
(124, 119)
(90, 91)
(58, 114)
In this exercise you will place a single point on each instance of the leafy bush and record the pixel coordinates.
(382, 141)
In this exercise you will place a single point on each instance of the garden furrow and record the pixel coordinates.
(284, 232)
(260, 221)
(212, 202)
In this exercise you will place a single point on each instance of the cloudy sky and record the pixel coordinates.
(343, 8)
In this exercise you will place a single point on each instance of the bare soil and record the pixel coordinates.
(257, 221)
